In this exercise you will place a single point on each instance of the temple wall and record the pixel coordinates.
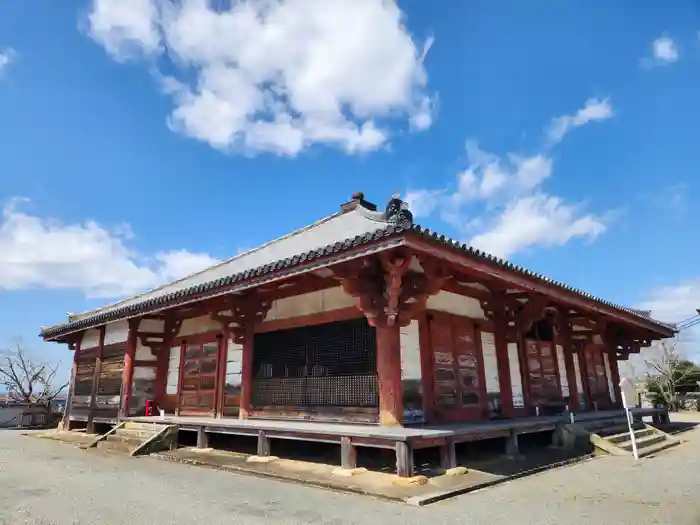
(143, 353)
(173, 376)
(310, 303)
(608, 374)
(116, 332)
(91, 339)
(198, 325)
(455, 304)
(563, 377)
(579, 381)
(516, 378)
(411, 373)
(488, 349)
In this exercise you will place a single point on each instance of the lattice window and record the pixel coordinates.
(332, 364)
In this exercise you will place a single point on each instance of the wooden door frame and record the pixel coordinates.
(201, 339)
(599, 349)
(555, 357)
(482, 408)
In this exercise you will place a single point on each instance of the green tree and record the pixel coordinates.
(670, 375)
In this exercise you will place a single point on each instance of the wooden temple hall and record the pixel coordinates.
(362, 329)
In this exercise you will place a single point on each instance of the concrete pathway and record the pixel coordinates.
(47, 482)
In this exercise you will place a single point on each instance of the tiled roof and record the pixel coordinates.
(359, 226)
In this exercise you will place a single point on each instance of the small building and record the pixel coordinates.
(362, 317)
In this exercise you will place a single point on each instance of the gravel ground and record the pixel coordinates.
(47, 482)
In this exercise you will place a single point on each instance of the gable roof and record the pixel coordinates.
(357, 224)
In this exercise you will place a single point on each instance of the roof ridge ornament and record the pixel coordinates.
(397, 212)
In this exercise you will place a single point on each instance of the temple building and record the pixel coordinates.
(362, 317)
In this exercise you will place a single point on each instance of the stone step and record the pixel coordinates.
(119, 447)
(653, 449)
(136, 433)
(643, 442)
(138, 425)
(625, 435)
(131, 441)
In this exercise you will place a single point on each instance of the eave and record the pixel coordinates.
(420, 239)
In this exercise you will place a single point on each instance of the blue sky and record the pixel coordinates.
(144, 139)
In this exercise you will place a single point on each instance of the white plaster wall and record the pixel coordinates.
(563, 378)
(455, 304)
(91, 339)
(488, 348)
(410, 351)
(608, 373)
(516, 379)
(143, 353)
(577, 369)
(234, 363)
(116, 332)
(198, 325)
(173, 379)
(309, 304)
(152, 325)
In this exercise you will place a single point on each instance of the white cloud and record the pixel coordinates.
(499, 201)
(536, 220)
(423, 202)
(125, 27)
(664, 50)
(37, 252)
(7, 56)
(278, 76)
(594, 109)
(674, 303)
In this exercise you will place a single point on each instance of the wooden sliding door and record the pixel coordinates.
(199, 376)
(460, 388)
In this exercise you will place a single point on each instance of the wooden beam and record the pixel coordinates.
(482, 269)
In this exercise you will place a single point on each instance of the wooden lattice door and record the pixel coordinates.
(596, 375)
(543, 373)
(460, 389)
(199, 377)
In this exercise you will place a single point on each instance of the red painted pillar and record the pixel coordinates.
(129, 356)
(247, 372)
(389, 376)
(503, 363)
(71, 386)
(221, 371)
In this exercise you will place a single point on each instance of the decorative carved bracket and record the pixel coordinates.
(520, 322)
(384, 289)
(243, 311)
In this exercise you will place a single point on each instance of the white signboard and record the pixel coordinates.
(628, 401)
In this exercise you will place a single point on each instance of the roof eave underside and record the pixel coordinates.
(379, 240)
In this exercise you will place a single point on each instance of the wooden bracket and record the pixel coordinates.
(243, 310)
(386, 292)
(521, 322)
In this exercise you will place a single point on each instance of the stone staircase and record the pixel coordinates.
(131, 438)
(613, 437)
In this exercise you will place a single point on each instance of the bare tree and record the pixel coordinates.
(667, 370)
(27, 379)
